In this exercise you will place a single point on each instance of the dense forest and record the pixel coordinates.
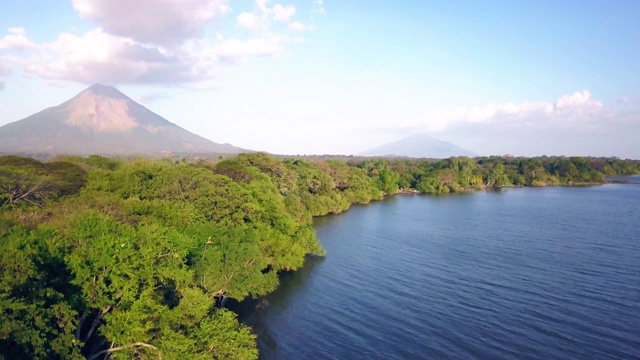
(110, 258)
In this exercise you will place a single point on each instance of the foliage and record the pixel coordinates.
(24, 180)
(135, 262)
(105, 258)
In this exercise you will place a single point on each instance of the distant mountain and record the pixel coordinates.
(419, 146)
(102, 120)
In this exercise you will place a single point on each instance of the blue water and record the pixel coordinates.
(631, 179)
(551, 273)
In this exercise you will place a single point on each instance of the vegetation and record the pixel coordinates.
(103, 258)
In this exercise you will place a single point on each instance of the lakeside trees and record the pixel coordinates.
(111, 258)
(135, 262)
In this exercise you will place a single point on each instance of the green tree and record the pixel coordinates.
(497, 176)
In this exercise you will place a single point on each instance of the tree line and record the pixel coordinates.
(106, 258)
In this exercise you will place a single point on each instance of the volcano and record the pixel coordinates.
(102, 120)
(419, 146)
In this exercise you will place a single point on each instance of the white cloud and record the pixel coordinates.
(283, 13)
(576, 101)
(152, 21)
(97, 56)
(262, 4)
(16, 39)
(318, 7)
(262, 14)
(567, 109)
(298, 26)
(151, 42)
(251, 21)
(574, 124)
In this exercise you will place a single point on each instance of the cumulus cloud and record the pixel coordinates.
(97, 56)
(298, 26)
(565, 110)
(262, 14)
(151, 42)
(486, 114)
(152, 21)
(283, 13)
(574, 124)
(262, 5)
(251, 21)
(578, 100)
(16, 39)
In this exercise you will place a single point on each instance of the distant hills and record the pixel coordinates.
(102, 120)
(419, 146)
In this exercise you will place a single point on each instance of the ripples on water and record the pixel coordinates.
(549, 273)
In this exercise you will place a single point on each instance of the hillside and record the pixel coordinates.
(102, 120)
(419, 146)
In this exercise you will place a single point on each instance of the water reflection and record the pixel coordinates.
(256, 312)
(530, 273)
(630, 179)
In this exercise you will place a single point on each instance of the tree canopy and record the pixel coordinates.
(105, 258)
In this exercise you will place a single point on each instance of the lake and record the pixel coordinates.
(530, 273)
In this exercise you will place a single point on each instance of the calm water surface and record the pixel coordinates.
(549, 273)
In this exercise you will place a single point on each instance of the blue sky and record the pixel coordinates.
(339, 77)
